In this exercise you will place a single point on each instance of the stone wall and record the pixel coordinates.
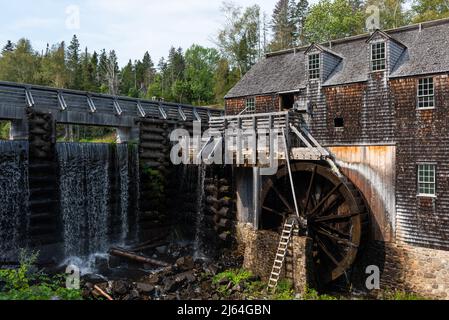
(259, 248)
(404, 267)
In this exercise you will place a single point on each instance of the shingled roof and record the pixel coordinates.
(427, 53)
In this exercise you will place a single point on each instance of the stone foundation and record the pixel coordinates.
(403, 267)
(408, 268)
(259, 248)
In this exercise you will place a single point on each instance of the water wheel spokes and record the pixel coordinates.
(332, 207)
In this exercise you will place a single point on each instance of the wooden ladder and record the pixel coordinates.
(289, 227)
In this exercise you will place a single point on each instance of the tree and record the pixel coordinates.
(53, 65)
(102, 72)
(200, 69)
(425, 10)
(73, 64)
(224, 80)
(128, 80)
(332, 19)
(112, 73)
(300, 12)
(145, 72)
(9, 47)
(239, 39)
(392, 13)
(283, 25)
(21, 65)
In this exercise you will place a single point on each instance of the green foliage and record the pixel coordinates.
(154, 182)
(332, 19)
(287, 24)
(426, 10)
(399, 295)
(312, 294)
(234, 276)
(5, 126)
(239, 39)
(23, 284)
(284, 291)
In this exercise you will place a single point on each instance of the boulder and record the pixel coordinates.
(185, 263)
(145, 288)
(119, 287)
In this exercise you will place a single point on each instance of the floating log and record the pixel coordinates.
(132, 256)
(104, 294)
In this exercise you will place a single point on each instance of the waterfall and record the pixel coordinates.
(198, 246)
(84, 189)
(123, 165)
(14, 213)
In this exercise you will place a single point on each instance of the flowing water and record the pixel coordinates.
(123, 165)
(86, 175)
(198, 244)
(14, 212)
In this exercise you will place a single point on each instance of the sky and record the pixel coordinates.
(131, 27)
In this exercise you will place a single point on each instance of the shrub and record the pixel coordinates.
(24, 284)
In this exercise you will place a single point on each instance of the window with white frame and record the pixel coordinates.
(378, 56)
(427, 179)
(250, 105)
(426, 93)
(314, 66)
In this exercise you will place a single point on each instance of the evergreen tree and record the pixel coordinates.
(103, 71)
(94, 64)
(128, 80)
(9, 47)
(73, 64)
(145, 72)
(299, 14)
(282, 25)
(112, 73)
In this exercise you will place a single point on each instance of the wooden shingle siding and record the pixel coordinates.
(329, 63)
(422, 137)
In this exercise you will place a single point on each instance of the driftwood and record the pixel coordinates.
(104, 294)
(132, 256)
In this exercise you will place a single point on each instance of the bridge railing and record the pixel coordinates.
(86, 108)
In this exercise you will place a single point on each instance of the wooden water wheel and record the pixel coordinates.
(333, 208)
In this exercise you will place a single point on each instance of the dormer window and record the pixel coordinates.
(314, 66)
(378, 56)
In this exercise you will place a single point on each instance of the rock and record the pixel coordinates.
(133, 295)
(145, 288)
(114, 262)
(187, 276)
(162, 250)
(154, 279)
(185, 263)
(169, 285)
(211, 269)
(94, 278)
(119, 287)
